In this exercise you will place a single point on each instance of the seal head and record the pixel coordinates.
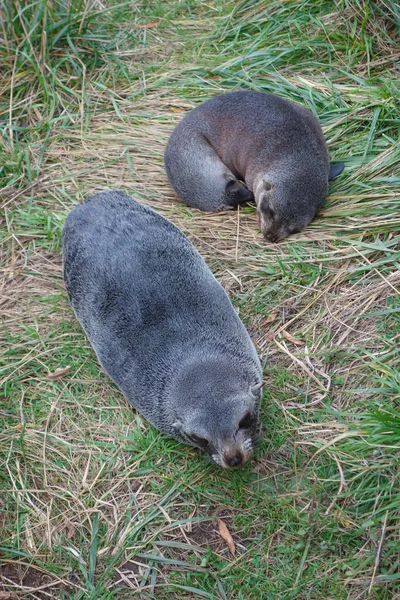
(213, 412)
(286, 205)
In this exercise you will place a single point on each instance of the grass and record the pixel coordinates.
(94, 503)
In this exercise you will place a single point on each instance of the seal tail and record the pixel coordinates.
(335, 169)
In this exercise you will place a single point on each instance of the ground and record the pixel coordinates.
(95, 503)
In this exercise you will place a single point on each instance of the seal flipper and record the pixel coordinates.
(237, 193)
(335, 169)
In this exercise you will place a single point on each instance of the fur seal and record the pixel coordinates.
(161, 325)
(252, 146)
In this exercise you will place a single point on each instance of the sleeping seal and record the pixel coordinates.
(162, 326)
(244, 146)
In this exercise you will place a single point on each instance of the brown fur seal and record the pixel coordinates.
(244, 146)
(162, 326)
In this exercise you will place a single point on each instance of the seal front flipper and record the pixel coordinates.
(237, 193)
(335, 169)
(198, 175)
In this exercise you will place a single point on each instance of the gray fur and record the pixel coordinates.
(161, 325)
(274, 146)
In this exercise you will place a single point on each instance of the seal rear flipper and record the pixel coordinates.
(335, 169)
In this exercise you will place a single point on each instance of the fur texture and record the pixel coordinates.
(161, 325)
(245, 146)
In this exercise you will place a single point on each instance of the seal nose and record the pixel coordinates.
(271, 237)
(234, 461)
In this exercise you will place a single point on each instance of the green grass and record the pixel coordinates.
(94, 503)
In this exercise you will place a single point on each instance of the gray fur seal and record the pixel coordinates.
(252, 146)
(161, 325)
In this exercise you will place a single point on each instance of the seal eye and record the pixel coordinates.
(199, 441)
(247, 421)
(269, 212)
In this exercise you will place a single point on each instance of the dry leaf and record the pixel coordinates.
(270, 336)
(8, 596)
(58, 373)
(226, 536)
(271, 318)
(292, 339)
(150, 24)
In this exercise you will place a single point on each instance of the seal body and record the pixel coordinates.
(161, 325)
(246, 145)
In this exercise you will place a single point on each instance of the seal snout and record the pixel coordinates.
(268, 225)
(234, 454)
(234, 460)
(269, 234)
(271, 237)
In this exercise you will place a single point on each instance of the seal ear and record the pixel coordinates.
(177, 425)
(255, 389)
